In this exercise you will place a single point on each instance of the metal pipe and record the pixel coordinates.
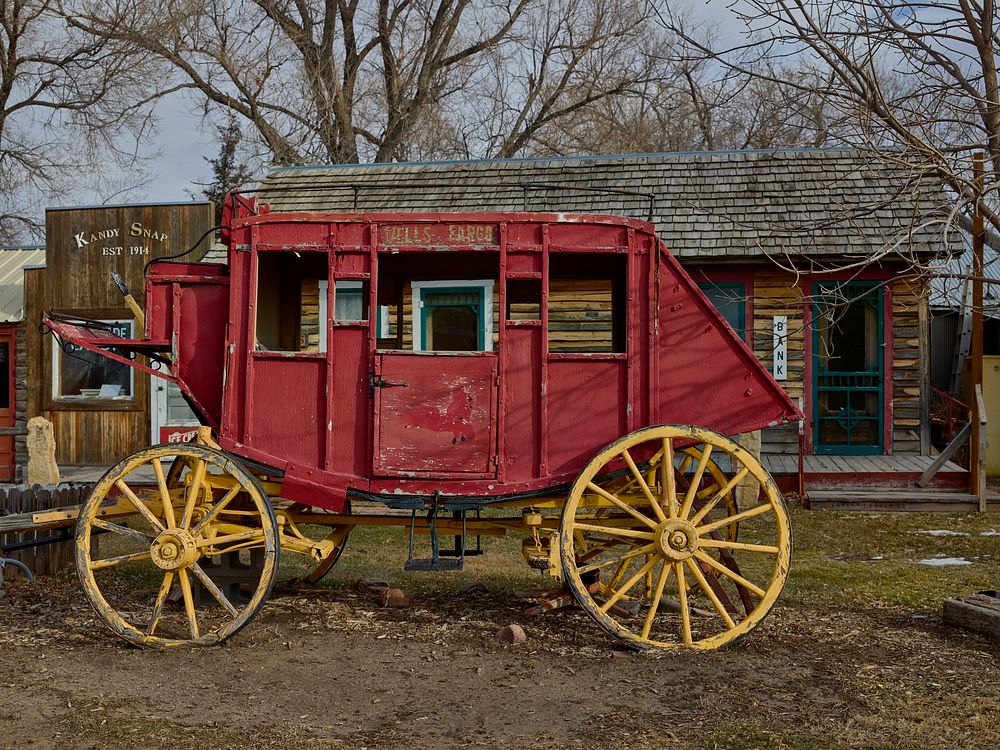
(4, 561)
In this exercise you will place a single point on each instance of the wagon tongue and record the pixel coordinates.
(93, 335)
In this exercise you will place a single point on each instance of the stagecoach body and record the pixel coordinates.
(555, 364)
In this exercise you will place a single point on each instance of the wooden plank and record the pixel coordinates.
(946, 454)
(979, 613)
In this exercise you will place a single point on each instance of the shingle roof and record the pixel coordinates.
(711, 205)
(12, 264)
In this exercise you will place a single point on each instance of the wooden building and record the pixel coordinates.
(13, 368)
(102, 410)
(809, 254)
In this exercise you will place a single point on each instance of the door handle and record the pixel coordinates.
(374, 381)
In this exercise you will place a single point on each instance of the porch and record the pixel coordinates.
(877, 483)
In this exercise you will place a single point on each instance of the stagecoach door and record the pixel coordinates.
(435, 404)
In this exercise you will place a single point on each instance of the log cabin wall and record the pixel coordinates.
(777, 292)
(83, 247)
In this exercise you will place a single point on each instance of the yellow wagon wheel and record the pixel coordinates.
(687, 461)
(140, 552)
(336, 534)
(652, 560)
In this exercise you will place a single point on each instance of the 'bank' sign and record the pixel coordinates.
(779, 364)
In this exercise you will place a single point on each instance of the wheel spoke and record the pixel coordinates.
(711, 561)
(741, 516)
(214, 590)
(193, 490)
(189, 603)
(654, 603)
(110, 562)
(139, 505)
(216, 509)
(629, 584)
(719, 495)
(122, 530)
(621, 504)
(726, 544)
(696, 481)
(682, 600)
(161, 481)
(616, 531)
(161, 598)
(710, 593)
(621, 558)
(667, 478)
(643, 486)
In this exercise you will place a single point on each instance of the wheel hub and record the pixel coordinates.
(676, 539)
(174, 549)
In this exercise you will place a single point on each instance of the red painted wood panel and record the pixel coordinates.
(350, 407)
(521, 379)
(586, 409)
(440, 420)
(286, 414)
(707, 375)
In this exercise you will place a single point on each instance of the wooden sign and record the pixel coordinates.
(779, 363)
(438, 234)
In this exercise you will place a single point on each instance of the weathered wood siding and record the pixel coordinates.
(83, 248)
(776, 292)
(907, 296)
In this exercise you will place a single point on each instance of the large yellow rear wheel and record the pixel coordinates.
(648, 540)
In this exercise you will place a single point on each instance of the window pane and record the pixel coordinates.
(84, 374)
(729, 300)
(350, 302)
(5, 365)
(453, 329)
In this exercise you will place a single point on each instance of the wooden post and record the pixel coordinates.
(979, 468)
(977, 473)
(42, 467)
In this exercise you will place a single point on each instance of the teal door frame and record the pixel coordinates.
(848, 382)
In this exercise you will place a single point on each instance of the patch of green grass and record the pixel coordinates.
(863, 559)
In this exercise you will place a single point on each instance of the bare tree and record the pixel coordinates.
(384, 80)
(920, 77)
(66, 102)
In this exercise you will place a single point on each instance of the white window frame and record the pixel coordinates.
(57, 354)
(417, 306)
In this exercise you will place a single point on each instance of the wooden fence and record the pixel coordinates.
(46, 558)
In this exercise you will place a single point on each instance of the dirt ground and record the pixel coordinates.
(333, 669)
(328, 668)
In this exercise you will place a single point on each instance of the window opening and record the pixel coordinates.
(524, 299)
(406, 279)
(729, 299)
(289, 301)
(5, 365)
(453, 316)
(586, 303)
(81, 374)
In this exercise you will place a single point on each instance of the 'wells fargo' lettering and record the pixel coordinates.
(439, 234)
(470, 234)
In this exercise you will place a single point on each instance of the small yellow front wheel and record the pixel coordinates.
(142, 541)
(648, 544)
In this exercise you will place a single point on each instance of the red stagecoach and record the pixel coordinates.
(476, 374)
